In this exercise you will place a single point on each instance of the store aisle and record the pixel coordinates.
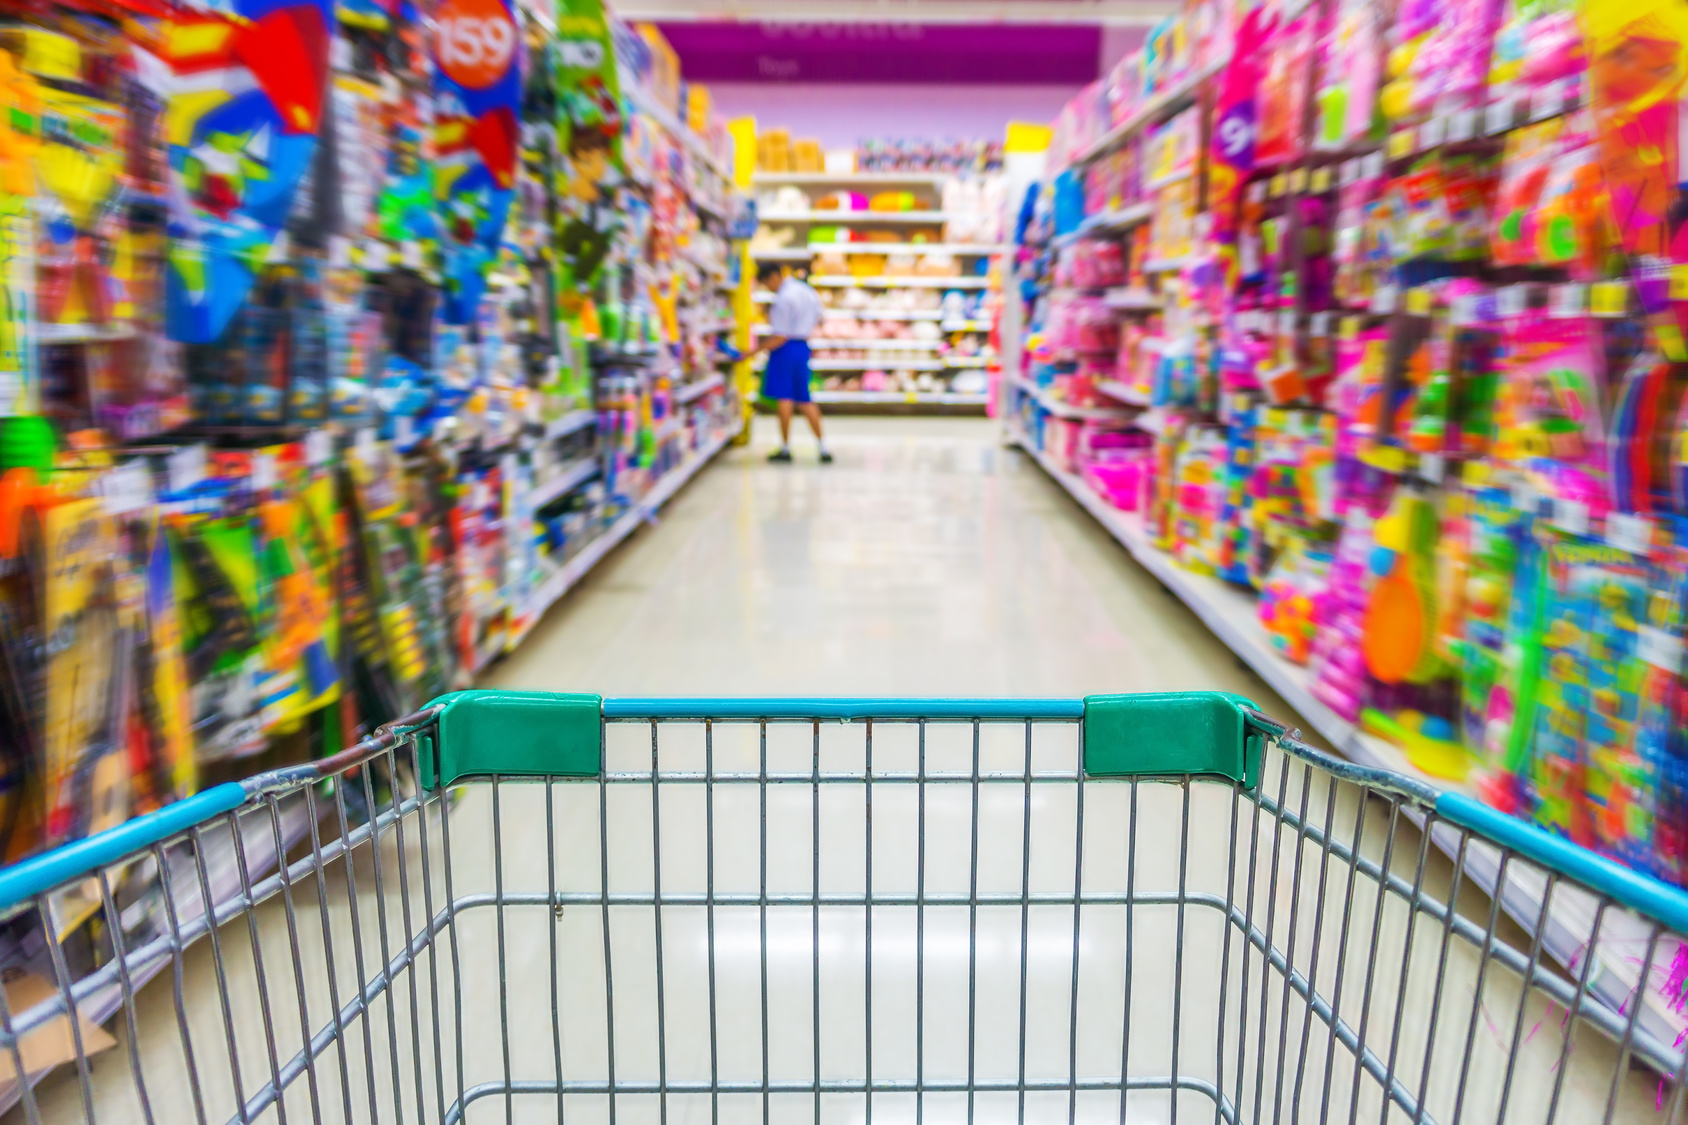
(929, 560)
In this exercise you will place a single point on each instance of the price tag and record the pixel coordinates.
(185, 468)
(363, 444)
(1400, 144)
(1549, 100)
(1571, 516)
(1568, 300)
(1629, 532)
(1372, 167)
(410, 253)
(1350, 172)
(1286, 322)
(319, 448)
(1512, 301)
(1498, 117)
(1659, 648)
(1350, 327)
(339, 248)
(1432, 467)
(1418, 301)
(263, 472)
(127, 488)
(375, 256)
(1431, 133)
(404, 431)
(1608, 298)
(1257, 191)
(1465, 310)
(1318, 325)
(1383, 301)
(1278, 184)
(1524, 499)
(1320, 180)
(1679, 283)
(1298, 181)
(1462, 125)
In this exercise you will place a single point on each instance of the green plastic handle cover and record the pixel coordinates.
(514, 734)
(1173, 734)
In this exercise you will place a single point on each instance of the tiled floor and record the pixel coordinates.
(928, 561)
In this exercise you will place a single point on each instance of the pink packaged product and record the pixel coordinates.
(1089, 264)
(1124, 90)
(1061, 440)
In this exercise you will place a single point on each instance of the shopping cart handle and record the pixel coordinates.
(38, 874)
(1651, 897)
(1174, 734)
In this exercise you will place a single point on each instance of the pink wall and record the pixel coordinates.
(840, 115)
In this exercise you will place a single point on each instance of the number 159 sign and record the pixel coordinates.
(477, 39)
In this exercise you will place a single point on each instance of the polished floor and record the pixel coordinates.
(929, 560)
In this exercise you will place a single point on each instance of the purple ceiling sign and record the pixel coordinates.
(924, 54)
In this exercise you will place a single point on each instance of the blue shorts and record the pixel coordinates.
(787, 373)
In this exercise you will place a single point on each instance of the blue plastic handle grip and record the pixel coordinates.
(843, 708)
(23, 881)
(1657, 900)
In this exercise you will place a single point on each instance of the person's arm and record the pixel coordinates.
(780, 317)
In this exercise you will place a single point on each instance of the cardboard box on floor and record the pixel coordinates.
(53, 1042)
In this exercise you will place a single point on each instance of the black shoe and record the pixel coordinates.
(780, 456)
(826, 458)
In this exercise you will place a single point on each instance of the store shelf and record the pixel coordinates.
(569, 423)
(1233, 616)
(857, 218)
(854, 179)
(861, 314)
(567, 479)
(1064, 409)
(1123, 393)
(832, 282)
(690, 391)
(793, 254)
(82, 333)
(871, 364)
(589, 556)
(873, 345)
(1165, 265)
(1133, 299)
(969, 360)
(1156, 109)
(912, 398)
(966, 326)
(693, 143)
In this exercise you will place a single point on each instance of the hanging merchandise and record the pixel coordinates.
(589, 128)
(249, 87)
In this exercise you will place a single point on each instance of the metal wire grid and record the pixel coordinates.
(1326, 878)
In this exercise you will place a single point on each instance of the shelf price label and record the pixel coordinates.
(1498, 117)
(185, 468)
(1679, 283)
(319, 448)
(1432, 132)
(1298, 181)
(1512, 300)
(127, 488)
(1383, 301)
(1569, 300)
(1320, 181)
(1570, 515)
(1350, 172)
(1418, 301)
(1629, 532)
(1462, 125)
(1432, 467)
(1401, 144)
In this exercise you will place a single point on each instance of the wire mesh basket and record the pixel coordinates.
(530, 907)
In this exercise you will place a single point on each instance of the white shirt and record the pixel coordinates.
(796, 311)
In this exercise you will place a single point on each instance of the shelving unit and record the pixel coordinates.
(856, 218)
(899, 282)
(852, 179)
(1232, 614)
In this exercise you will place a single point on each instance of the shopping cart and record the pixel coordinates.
(533, 907)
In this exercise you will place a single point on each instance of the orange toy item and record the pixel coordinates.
(1401, 608)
